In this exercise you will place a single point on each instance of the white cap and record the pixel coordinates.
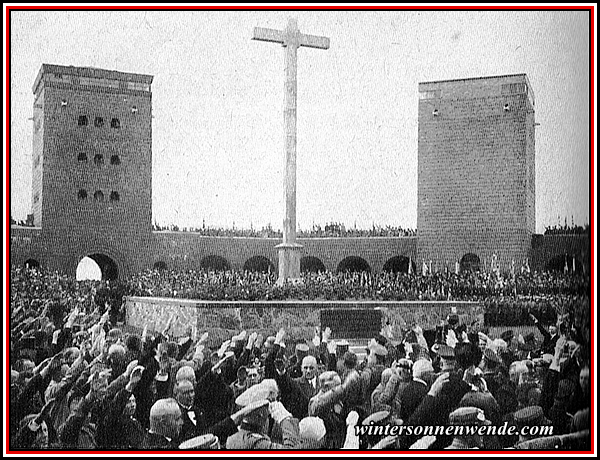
(311, 429)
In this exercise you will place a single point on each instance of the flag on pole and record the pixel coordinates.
(566, 265)
(573, 264)
(527, 269)
(410, 270)
(457, 267)
(424, 268)
(430, 268)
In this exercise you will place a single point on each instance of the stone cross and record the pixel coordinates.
(291, 39)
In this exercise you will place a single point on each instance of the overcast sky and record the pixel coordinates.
(217, 124)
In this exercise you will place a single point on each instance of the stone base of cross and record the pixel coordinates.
(289, 263)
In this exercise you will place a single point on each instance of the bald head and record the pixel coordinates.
(309, 367)
(184, 392)
(165, 418)
(186, 373)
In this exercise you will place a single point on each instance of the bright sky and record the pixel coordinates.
(218, 99)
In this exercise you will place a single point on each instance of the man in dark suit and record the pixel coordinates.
(165, 425)
(296, 392)
(550, 335)
(308, 382)
(184, 394)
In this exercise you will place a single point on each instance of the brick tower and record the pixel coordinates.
(476, 171)
(92, 166)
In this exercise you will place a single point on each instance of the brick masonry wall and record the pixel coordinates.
(72, 227)
(475, 162)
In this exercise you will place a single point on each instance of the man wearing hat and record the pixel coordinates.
(489, 365)
(295, 366)
(252, 434)
(312, 433)
(466, 417)
(331, 411)
(528, 348)
(396, 385)
(359, 394)
(529, 416)
(447, 359)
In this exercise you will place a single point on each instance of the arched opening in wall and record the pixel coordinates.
(470, 263)
(399, 264)
(97, 267)
(31, 263)
(557, 264)
(353, 264)
(312, 264)
(259, 264)
(160, 265)
(215, 263)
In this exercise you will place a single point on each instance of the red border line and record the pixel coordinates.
(590, 8)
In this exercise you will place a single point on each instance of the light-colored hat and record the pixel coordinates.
(204, 442)
(253, 394)
(312, 429)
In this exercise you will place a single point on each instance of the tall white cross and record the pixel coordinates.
(291, 39)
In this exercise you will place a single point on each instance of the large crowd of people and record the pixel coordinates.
(80, 379)
(567, 229)
(236, 285)
(331, 230)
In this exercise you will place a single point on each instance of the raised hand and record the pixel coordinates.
(259, 341)
(331, 347)
(352, 418)
(251, 340)
(130, 367)
(385, 442)
(533, 318)
(439, 383)
(218, 365)
(168, 326)
(224, 347)
(136, 375)
(279, 336)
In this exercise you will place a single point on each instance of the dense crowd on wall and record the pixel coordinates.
(567, 229)
(332, 230)
(80, 379)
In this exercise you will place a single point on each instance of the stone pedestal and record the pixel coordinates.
(289, 263)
